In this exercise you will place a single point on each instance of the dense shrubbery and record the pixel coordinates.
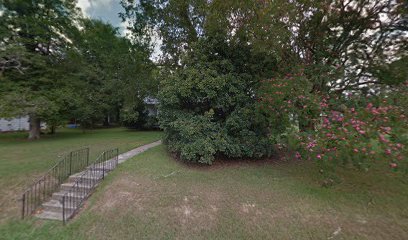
(240, 76)
(208, 108)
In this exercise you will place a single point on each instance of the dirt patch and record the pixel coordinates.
(188, 210)
(193, 216)
(248, 207)
(125, 192)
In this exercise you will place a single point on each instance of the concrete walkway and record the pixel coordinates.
(125, 156)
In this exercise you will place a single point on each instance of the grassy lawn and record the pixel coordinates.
(153, 196)
(22, 161)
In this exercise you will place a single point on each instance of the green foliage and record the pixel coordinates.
(394, 73)
(208, 108)
(152, 122)
(56, 66)
(135, 117)
(36, 34)
(332, 39)
(216, 52)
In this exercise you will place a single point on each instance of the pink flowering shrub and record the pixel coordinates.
(360, 137)
(336, 130)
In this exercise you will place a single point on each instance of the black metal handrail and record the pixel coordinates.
(43, 188)
(86, 182)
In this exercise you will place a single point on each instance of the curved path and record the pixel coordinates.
(125, 156)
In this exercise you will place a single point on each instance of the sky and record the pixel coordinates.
(106, 10)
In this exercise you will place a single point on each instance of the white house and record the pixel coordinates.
(16, 124)
(151, 106)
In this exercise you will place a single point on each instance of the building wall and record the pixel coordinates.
(152, 110)
(14, 124)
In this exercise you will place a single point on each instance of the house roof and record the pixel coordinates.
(151, 100)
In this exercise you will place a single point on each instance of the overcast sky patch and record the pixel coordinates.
(105, 10)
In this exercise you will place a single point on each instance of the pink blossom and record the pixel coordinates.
(298, 156)
(383, 139)
(386, 129)
(355, 150)
(393, 165)
(319, 156)
(323, 105)
(375, 111)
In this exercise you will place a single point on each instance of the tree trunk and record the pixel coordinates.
(35, 128)
(52, 129)
(106, 121)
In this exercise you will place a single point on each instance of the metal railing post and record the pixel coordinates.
(23, 211)
(87, 157)
(63, 209)
(103, 166)
(117, 157)
(70, 164)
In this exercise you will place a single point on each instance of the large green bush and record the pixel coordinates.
(208, 108)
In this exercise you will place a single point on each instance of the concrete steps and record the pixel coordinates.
(109, 165)
(89, 176)
(84, 182)
(68, 185)
(55, 206)
(77, 188)
(50, 215)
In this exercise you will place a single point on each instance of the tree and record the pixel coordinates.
(207, 107)
(210, 48)
(337, 42)
(113, 73)
(36, 35)
(57, 66)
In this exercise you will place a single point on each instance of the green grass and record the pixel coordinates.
(22, 161)
(152, 196)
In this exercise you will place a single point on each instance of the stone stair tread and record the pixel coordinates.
(50, 215)
(107, 163)
(100, 168)
(86, 176)
(70, 194)
(84, 173)
(71, 184)
(54, 203)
